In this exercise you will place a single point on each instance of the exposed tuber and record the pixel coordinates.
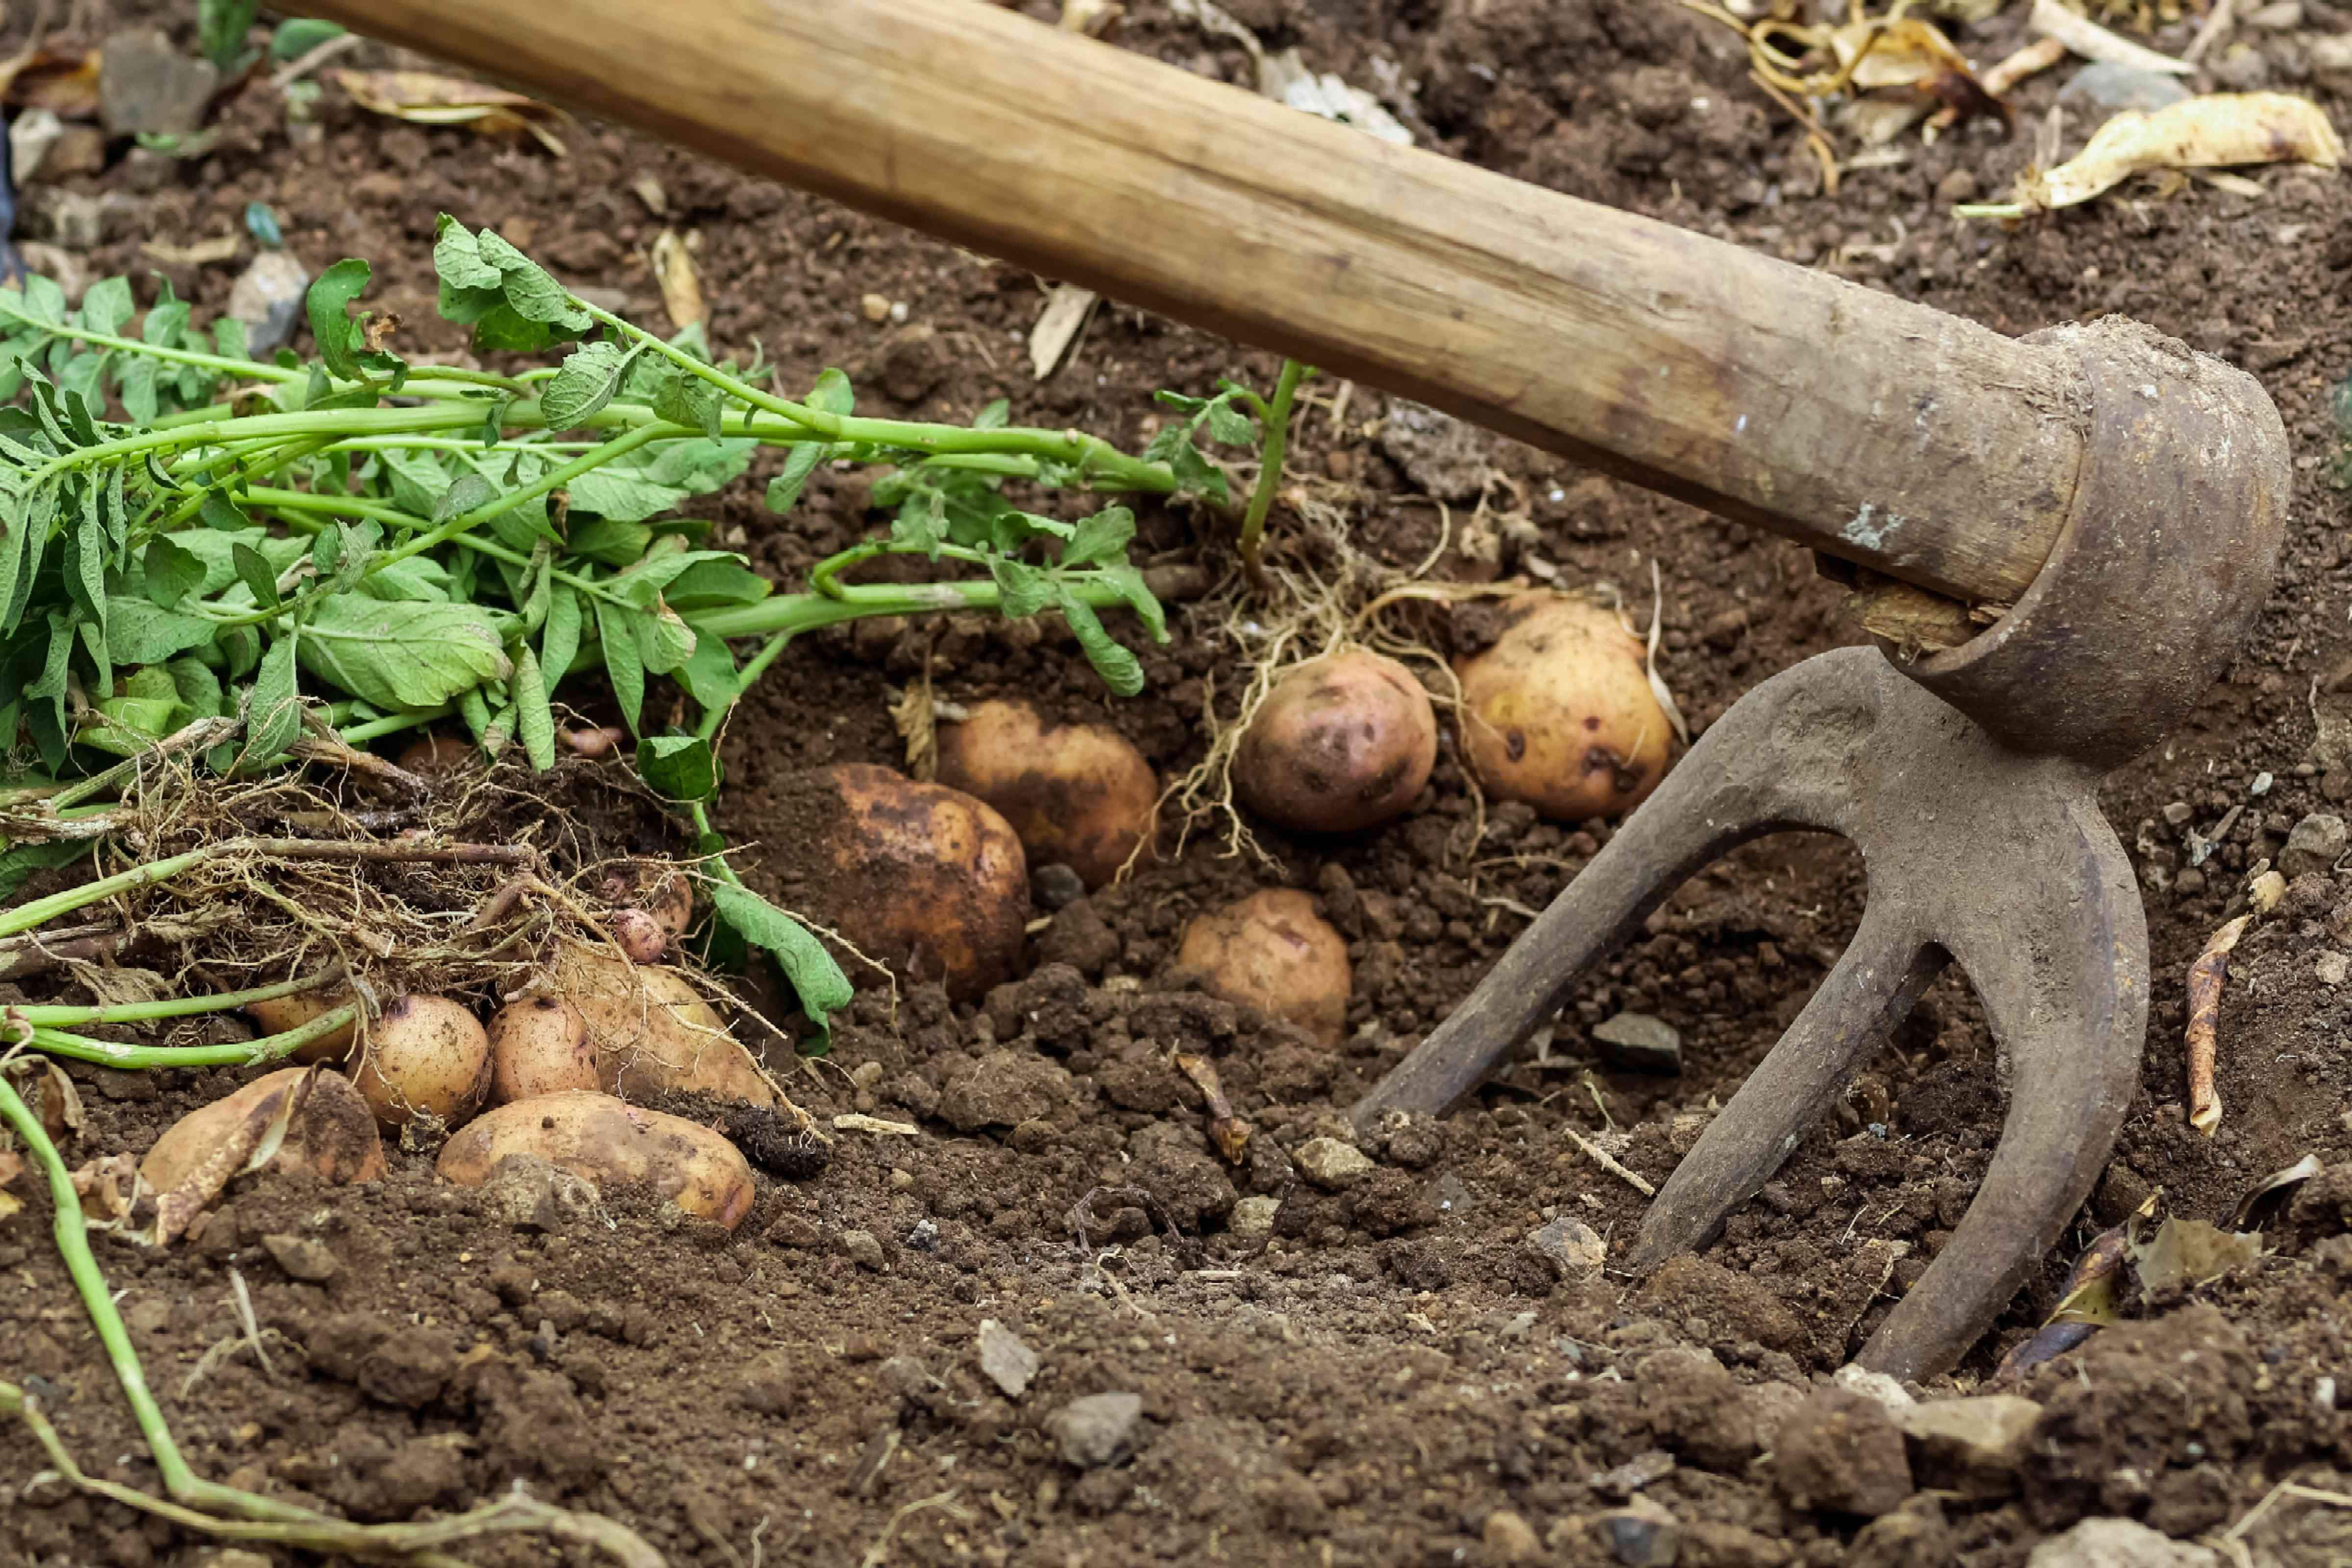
(1340, 744)
(1079, 794)
(1272, 952)
(1559, 712)
(608, 1144)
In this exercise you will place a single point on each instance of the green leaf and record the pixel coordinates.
(20, 861)
(134, 377)
(823, 989)
(45, 302)
(467, 492)
(833, 392)
(709, 677)
(686, 399)
(586, 383)
(221, 27)
(1230, 424)
(199, 688)
(624, 665)
(338, 335)
(274, 708)
(415, 480)
(228, 338)
(108, 306)
(610, 543)
(254, 570)
(993, 416)
(800, 461)
(400, 654)
(457, 259)
(1102, 537)
(668, 642)
(1119, 668)
(622, 496)
(679, 766)
(534, 720)
(534, 295)
(559, 640)
(298, 37)
(223, 513)
(139, 632)
(1022, 590)
(708, 585)
(1127, 583)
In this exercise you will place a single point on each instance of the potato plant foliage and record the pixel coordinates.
(361, 544)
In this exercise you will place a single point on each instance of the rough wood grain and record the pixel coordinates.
(1892, 434)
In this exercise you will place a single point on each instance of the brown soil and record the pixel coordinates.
(1397, 1366)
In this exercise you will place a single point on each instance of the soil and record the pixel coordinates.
(1397, 1373)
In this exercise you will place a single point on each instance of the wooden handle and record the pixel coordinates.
(1896, 436)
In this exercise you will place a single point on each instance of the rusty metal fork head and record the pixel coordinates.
(1968, 782)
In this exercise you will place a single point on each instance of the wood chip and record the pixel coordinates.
(2206, 977)
(858, 1121)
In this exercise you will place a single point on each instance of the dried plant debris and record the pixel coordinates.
(425, 98)
(2092, 42)
(2206, 977)
(2218, 131)
(2188, 1252)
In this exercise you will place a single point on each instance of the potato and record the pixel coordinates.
(540, 1044)
(924, 878)
(1078, 794)
(438, 756)
(607, 1143)
(1559, 712)
(1272, 952)
(274, 1017)
(332, 1137)
(1340, 744)
(426, 1057)
(650, 1031)
(663, 891)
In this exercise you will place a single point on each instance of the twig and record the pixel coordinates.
(2092, 42)
(879, 1552)
(2215, 28)
(2205, 981)
(303, 64)
(1606, 1163)
(2233, 1541)
(245, 1317)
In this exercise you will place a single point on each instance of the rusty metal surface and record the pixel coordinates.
(2165, 558)
(1977, 854)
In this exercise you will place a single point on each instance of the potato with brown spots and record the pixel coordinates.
(926, 880)
(427, 1056)
(1079, 794)
(649, 1032)
(1559, 713)
(608, 1144)
(1272, 952)
(1340, 744)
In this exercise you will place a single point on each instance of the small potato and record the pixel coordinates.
(1559, 712)
(1272, 952)
(333, 1136)
(924, 878)
(651, 1033)
(1340, 744)
(426, 1057)
(540, 1046)
(660, 891)
(438, 756)
(607, 1143)
(274, 1017)
(1078, 794)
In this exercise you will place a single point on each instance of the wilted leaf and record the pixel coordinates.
(2189, 1252)
(64, 83)
(2218, 131)
(2272, 1192)
(681, 289)
(424, 99)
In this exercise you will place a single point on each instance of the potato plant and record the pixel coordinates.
(255, 556)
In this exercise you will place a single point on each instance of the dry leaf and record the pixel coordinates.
(64, 84)
(222, 247)
(681, 289)
(2189, 1252)
(2206, 978)
(1066, 309)
(11, 1165)
(1229, 1133)
(424, 99)
(2271, 1194)
(2218, 131)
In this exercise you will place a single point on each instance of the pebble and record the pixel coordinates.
(1640, 1534)
(1055, 887)
(2261, 785)
(301, 1258)
(1640, 1043)
(2179, 812)
(147, 86)
(875, 309)
(1509, 1538)
(30, 137)
(1440, 455)
(1973, 1445)
(268, 298)
(2331, 968)
(2118, 1543)
(1644, 1469)
(1254, 1217)
(75, 219)
(1332, 1164)
(923, 1235)
(2111, 88)
(1096, 1430)
(81, 150)
(1573, 1249)
(1876, 1384)
(864, 1248)
(2263, 892)
(2315, 844)
(1008, 1362)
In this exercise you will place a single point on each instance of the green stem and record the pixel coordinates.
(237, 1053)
(393, 724)
(169, 1007)
(40, 911)
(392, 517)
(555, 479)
(1276, 423)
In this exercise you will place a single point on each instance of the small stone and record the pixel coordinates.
(30, 137)
(59, 266)
(1640, 1043)
(1840, 1452)
(1332, 1164)
(1008, 1362)
(1444, 457)
(2263, 893)
(923, 1235)
(1055, 887)
(2179, 812)
(2111, 88)
(875, 309)
(1957, 187)
(1254, 1217)
(1573, 1249)
(2118, 1543)
(1096, 1430)
(2189, 882)
(1975, 1446)
(2331, 968)
(2261, 785)
(1003, 1089)
(1511, 1539)
(864, 1248)
(2315, 844)
(1644, 1469)
(301, 1258)
(529, 1193)
(1640, 1534)
(268, 298)
(1875, 1385)
(145, 87)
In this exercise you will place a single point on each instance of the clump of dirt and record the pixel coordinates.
(1429, 1353)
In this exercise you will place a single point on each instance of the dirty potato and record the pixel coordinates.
(427, 1056)
(608, 1143)
(1340, 744)
(1079, 794)
(1559, 712)
(1272, 952)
